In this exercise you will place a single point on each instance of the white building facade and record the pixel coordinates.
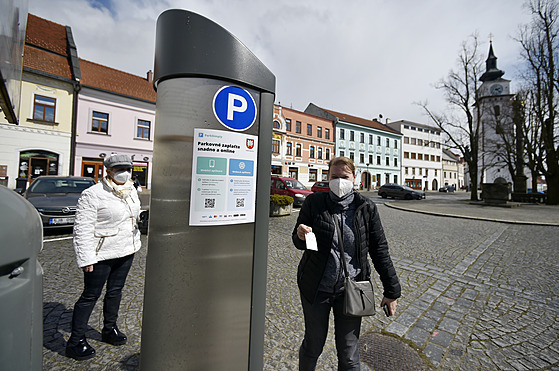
(421, 155)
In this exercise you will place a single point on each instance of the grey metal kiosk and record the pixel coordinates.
(205, 292)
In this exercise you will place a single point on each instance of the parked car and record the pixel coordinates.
(320, 187)
(56, 197)
(447, 188)
(399, 191)
(290, 187)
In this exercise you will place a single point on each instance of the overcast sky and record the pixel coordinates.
(361, 57)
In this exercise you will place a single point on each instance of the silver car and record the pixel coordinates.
(56, 197)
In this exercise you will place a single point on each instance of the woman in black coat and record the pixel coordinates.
(320, 275)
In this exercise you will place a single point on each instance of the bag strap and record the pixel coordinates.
(341, 243)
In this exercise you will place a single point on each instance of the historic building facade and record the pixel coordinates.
(374, 147)
(302, 145)
(116, 114)
(41, 144)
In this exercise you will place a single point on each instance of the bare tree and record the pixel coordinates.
(539, 41)
(533, 145)
(461, 122)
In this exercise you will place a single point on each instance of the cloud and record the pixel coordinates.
(362, 57)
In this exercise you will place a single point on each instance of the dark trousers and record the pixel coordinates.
(113, 272)
(346, 330)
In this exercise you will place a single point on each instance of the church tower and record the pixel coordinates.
(495, 103)
(493, 83)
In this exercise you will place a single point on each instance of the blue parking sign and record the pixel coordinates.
(234, 108)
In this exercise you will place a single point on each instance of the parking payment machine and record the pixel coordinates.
(205, 291)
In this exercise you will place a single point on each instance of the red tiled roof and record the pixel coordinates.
(361, 121)
(46, 35)
(44, 61)
(101, 77)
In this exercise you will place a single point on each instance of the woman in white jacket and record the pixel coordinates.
(106, 236)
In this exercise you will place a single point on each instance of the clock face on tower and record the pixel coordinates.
(496, 89)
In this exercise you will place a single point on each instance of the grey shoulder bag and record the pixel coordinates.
(359, 298)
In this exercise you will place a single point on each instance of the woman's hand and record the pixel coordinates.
(392, 304)
(88, 268)
(302, 230)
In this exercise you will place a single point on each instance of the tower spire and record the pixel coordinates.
(491, 70)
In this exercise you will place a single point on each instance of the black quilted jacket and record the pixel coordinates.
(369, 235)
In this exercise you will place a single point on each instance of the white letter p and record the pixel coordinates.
(231, 108)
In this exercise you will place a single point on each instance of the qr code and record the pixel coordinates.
(240, 202)
(209, 203)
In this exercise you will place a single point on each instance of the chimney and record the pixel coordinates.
(149, 77)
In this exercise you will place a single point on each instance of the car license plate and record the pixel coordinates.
(61, 220)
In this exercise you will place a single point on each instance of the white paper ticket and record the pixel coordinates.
(310, 238)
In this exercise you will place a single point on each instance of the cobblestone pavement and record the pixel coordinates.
(476, 295)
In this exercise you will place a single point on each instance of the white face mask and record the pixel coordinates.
(122, 176)
(341, 187)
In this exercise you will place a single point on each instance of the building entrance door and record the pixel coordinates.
(92, 169)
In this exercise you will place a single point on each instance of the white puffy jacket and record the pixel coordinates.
(106, 225)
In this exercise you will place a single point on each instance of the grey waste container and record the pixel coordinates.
(21, 284)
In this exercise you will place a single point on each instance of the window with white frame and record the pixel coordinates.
(100, 122)
(44, 108)
(143, 129)
(275, 146)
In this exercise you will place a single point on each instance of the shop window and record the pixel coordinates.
(312, 175)
(293, 172)
(33, 164)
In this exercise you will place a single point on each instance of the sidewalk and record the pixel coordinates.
(461, 207)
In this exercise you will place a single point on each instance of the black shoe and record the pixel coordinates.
(113, 336)
(81, 351)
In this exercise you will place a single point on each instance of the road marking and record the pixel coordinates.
(58, 239)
